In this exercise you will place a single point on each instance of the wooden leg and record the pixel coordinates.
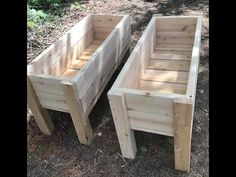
(41, 115)
(80, 121)
(183, 133)
(124, 132)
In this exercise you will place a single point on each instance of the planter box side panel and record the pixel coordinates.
(73, 53)
(138, 60)
(54, 53)
(49, 93)
(151, 114)
(98, 72)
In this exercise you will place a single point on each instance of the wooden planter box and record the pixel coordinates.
(72, 73)
(155, 91)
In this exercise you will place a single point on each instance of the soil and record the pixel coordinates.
(61, 154)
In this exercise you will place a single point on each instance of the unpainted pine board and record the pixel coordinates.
(163, 87)
(176, 34)
(103, 29)
(166, 76)
(176, 21)
(148, 104)
(97, 41)
(77, 64)
(152, 127)
(98, 84)
(174, 28)
(81, 123)
(60, 67)
(171, 65)
(175, 24)
(193, 73)
(122, 124)
(175, 55)
(182, 135)
(171, 47)
(101, 35)
(94, 67)
(137, 61)
(174, 40)
(70, 72)
(151, 117)
(109, 21)
(52, 100)
(49, 85)
(92, 47)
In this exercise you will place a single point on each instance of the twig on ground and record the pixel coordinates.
(123, 160)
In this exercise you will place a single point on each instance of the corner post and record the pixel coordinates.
(183, 119)
(80, 121)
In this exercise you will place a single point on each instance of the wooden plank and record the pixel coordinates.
(97, 41)
(102, 29)
(50, 56)
(60, 67)
(77, 64)
(107, 79)
(81, 123)
(46, 84)
(134, 73)
(170, 47)
(101, 32)
(175, 24)
(182, 135)
(96, 85)
(151, 117)
(41, 115)
(175, 21)
(92, 47)
(152, 127)
(176, 34)
(95, 65)
(109, 21)
(70, 72)
(172, 65)
(193, 73)
(174, 40)
(175, 55)
(56, 108)
(174, 28)
(166, 76)
(145, 103)
(122, 124)
(101, 35)
(87, 53)
(52, 100)
(137, 61)
(163, 87)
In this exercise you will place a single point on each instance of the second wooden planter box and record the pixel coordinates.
(155, 91)
(72, 73)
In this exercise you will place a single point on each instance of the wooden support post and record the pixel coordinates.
(41, 115)
(182, 133)
(80, 121)
(124, 132)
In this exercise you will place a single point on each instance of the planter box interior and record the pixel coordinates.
(155, 91)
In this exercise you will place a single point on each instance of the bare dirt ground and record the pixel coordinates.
(61, 155)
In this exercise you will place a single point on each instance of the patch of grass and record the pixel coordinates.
(75, 5)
